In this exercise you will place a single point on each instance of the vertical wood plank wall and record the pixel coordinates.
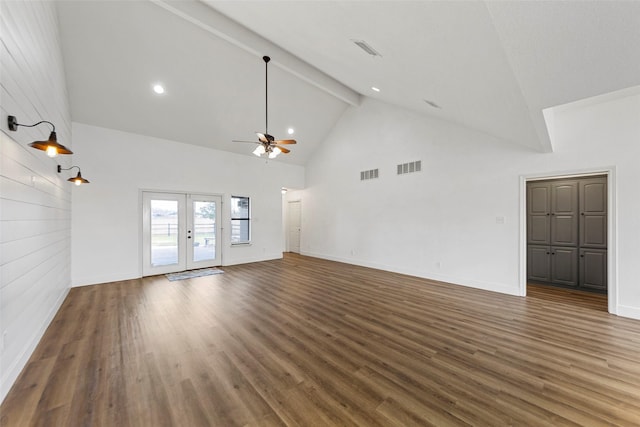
(35, 201)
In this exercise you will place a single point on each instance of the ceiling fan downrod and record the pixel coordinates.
(266, 60)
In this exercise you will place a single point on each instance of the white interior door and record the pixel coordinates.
(180, 232)
(294, 226)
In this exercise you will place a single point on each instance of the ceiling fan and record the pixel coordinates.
(267, 144)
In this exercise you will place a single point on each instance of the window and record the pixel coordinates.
(240, 220)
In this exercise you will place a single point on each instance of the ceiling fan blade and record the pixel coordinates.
(285, 141)
(248, 142)
(262, 137)
(284, 150)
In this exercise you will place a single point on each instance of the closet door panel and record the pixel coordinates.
(564, 266)
(564, 213)
(539, 196)
(539, 230)
(593, 269)
(538, 213)
(538, 263)
(593, 213)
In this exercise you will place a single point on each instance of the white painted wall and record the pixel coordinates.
(442, 223)
(107, 213)
(35, 202)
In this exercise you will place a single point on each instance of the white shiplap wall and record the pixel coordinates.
(35, 201)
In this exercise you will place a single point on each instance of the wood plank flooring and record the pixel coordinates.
(309, 342)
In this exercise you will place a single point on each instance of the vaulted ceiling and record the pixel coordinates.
(493, 66)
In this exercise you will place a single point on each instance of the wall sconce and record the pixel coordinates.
(51, 146)
(78, 179)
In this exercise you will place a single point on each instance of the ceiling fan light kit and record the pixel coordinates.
(267, 144)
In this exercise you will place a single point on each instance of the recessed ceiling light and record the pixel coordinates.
(157, 88)
(375, 89)
(290, 131)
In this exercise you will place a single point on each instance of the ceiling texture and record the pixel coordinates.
(492, 66)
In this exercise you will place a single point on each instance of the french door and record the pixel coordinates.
(180, 232)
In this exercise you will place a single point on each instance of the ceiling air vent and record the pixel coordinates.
(366, 47)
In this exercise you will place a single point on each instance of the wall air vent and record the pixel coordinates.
(410, 167)
(366, 47)
(370, 174)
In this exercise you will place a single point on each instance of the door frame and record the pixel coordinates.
(222, 229)
(612, 245)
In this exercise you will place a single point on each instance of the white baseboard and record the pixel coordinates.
(103, 278)
(493, 287)
(267, 257)
(627, 311)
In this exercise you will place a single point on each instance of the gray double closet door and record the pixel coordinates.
(567, 233)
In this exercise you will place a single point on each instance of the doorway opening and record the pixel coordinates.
(568, 246)
(180, 232)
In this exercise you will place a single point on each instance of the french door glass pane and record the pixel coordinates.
(164, 232)
(204, 231)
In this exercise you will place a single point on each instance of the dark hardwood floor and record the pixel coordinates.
(309, 342)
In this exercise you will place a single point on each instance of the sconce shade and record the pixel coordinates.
(51, 146)
(78, 179)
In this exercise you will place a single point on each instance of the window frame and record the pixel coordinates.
(247, 219)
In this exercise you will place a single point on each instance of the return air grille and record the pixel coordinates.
(410, 167)
(370, 174)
